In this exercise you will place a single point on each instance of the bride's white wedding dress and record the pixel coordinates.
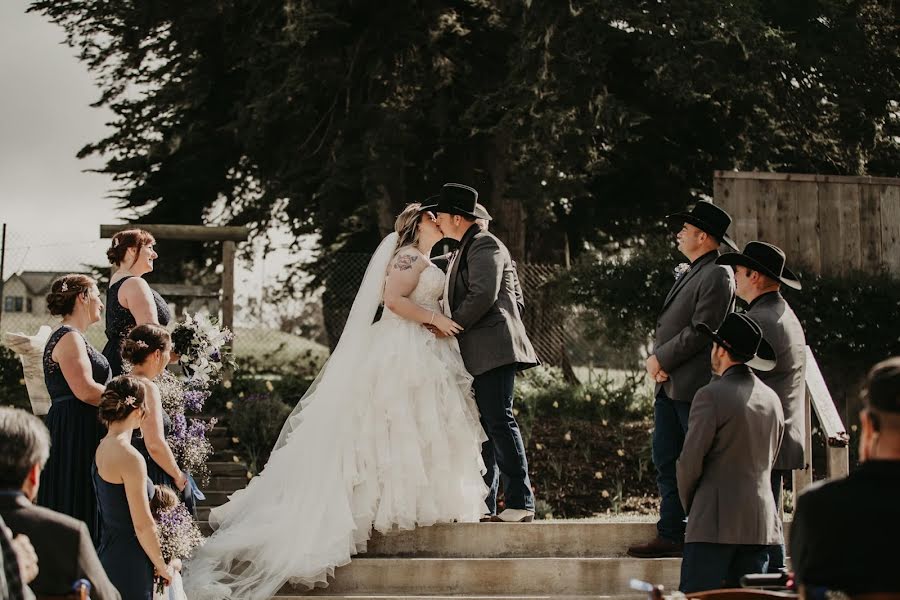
(388, 436)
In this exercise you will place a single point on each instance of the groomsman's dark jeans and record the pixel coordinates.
(776, 551)
(670, 424)
(714, 566)
(504, 452)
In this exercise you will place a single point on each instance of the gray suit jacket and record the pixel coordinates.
(705, 294)
(483, 297)
(64, 548)
(725, 468)
(782, 329)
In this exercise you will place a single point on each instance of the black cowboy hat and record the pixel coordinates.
(455, 199)
(742, 337)
(765, 258)
(708, 217)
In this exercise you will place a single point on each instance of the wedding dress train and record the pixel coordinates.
(388, 435)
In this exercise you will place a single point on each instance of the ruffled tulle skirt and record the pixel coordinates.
(395, 443)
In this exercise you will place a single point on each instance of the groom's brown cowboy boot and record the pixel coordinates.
(658, 547)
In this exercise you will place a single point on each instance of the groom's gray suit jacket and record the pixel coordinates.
(483, 300)
(705, 294)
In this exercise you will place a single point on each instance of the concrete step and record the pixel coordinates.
(214, 498)
(496, 576)
(545, 539)
(225, 454)
(513, 540)
(226, 484)
(217, 432)
(227, 469)
(219, 443)
(631, 596)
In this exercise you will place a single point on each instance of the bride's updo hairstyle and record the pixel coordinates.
(122, 396)
(63, 292)
(407, 225)
(143, 341)
(129, 238)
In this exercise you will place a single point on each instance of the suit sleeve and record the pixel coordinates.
(701, 432)
(485, 263)
(91, 569)
(520, 297)
(716, 294)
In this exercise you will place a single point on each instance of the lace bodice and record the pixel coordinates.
(53, 375)
(428, 291)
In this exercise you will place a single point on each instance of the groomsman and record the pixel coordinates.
(724, 471)
(680, 363)
(759, 274)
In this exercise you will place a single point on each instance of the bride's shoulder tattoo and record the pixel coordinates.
(405, 262)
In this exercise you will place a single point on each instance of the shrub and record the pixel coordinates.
(256, 421)
(543, 392)
(12, 382)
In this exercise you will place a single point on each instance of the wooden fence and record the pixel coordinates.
(826, 224)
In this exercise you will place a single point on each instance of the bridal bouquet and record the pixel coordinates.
(201, 344)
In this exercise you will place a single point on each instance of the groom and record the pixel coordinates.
(480, 295)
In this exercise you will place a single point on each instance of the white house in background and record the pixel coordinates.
(26, 292)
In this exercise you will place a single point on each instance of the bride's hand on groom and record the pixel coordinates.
(443, 327)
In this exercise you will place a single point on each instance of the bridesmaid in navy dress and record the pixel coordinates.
(129, 300)
(148, 348)
(75, 374)
(129, 548)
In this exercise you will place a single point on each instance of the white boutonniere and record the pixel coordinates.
(681, 269)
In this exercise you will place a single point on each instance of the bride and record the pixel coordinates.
(388, 435)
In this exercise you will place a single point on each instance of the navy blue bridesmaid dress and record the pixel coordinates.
(120, 322)
(75, 433)
(124, 560)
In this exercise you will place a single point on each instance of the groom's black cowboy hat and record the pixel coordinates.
(708, 217)
(455, 199)
(765, 258)
(742, 337)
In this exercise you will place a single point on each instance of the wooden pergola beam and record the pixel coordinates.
(198, 233)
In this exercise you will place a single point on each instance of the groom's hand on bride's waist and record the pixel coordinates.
(437, 332)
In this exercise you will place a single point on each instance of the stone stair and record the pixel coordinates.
(569, 560)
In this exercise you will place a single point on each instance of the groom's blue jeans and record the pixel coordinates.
(670, 424)
(504, 452)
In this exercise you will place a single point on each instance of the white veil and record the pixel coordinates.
(355, 338)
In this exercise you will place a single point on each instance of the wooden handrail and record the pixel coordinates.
(837, 441)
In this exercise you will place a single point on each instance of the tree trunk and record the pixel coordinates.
(508, 213)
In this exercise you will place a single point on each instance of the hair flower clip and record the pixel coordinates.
(64, 287)
(116, 243)
(129, 400)
(141, 344)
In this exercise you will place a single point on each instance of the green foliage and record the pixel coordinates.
(621, 297)
(578, 122)
(543, 392)
(847, 320)
(256, 421)
(12, 383)
(850, 324)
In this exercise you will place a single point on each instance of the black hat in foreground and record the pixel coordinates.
(742, 337)
(710, 218)
(765, 258)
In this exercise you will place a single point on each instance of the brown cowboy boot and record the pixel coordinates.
(658, 547)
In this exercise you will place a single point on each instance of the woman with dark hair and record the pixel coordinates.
(148, 347)
(130, 301)
(129, 549)
(75, 374)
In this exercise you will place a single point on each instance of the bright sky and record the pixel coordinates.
(51, 205)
